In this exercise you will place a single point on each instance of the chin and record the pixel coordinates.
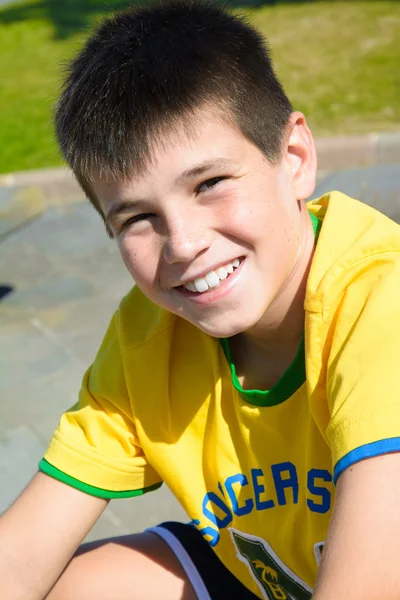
(219, 330)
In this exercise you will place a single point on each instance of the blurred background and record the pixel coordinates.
(60, 276)
(339, 63)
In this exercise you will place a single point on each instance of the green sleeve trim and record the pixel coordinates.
(47, 468)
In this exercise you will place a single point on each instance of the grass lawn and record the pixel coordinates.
(339, 62)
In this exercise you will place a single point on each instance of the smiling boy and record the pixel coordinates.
(253, 368)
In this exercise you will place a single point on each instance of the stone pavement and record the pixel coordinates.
(60, 281)
(66, 280)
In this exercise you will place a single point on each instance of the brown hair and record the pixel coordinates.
(146, 68)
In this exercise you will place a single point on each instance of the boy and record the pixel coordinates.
(253, 368)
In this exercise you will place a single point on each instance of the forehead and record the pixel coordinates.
(202, 136)
(207, 137)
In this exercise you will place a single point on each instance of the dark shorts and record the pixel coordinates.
(208, 576)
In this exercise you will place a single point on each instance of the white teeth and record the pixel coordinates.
(222, 272)
(200, 285)
(212, 279)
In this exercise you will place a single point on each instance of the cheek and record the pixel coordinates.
(139, 260)
(257, 221)
(241, 216)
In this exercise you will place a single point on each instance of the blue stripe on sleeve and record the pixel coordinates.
(366, 451)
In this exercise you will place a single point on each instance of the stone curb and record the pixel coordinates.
(26, 194)
(58, 185)
(338, 153)
(19, 206)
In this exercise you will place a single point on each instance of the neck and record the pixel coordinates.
(263, 354)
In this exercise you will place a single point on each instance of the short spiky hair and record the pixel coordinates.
(147, 68)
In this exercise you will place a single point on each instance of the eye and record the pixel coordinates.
(210, 183)
(136, 219)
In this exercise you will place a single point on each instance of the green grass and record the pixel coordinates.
(339, 62)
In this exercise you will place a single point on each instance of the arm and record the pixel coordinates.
(361, 556)
(39, 534)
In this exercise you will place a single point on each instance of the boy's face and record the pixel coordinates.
(210, 213)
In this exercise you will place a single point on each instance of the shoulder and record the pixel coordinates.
(353, 327)
(138, 320)
(357, 248)
(143, 328)
(135, 324)
(144, 347)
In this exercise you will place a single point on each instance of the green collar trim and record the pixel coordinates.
(316, 224)
(291, 380)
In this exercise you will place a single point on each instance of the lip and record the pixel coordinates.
(214, 294)
(204, 273)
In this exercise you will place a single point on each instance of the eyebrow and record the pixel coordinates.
(218, 164)
(121, 207)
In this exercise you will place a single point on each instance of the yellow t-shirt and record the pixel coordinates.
(254, 470)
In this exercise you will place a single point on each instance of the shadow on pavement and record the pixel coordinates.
(72, 16)
(68, 16)
(5, 290)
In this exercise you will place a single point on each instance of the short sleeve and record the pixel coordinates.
(363, 375)
(96, 447)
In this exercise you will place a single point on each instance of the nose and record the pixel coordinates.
(186, 238)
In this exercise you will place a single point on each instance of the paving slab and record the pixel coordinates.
(18, 206)
(25, 450)
(377, 186)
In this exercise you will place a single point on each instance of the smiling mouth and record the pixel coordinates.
(213, 279)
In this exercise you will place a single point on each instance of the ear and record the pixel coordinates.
(301, 156)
